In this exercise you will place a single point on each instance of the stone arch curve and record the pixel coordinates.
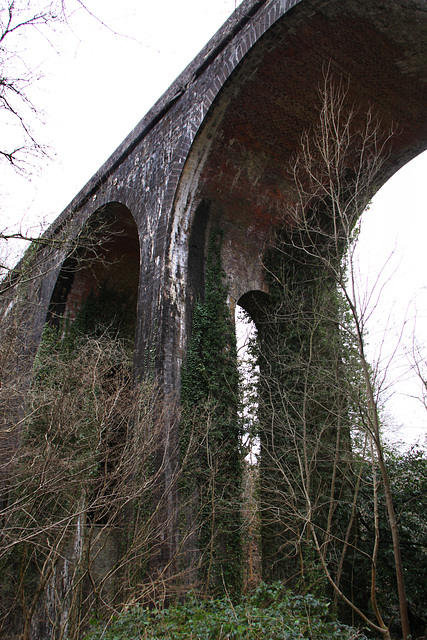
(255, 111)
(106, 258)
(254, 303)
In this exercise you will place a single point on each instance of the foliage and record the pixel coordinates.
(408, 479)
(320, 385)
(271, 612)
(106, 312)
(211, 369)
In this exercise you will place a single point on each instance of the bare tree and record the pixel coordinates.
(18, 18)
(312, 272)
(81, 519)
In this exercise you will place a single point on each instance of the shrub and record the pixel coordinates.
(271, 612)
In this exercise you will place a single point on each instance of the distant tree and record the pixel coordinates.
(24, 24)
(21, 22)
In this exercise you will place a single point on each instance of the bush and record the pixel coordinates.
(271, 612)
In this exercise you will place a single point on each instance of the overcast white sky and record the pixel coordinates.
(97, 85)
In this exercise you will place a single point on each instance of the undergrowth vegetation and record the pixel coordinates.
(271, 612)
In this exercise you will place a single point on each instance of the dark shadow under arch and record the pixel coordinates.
(104, 266)
(255, 303)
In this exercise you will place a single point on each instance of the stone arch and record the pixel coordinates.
(255, 303)
(263, 97)
(96, 292)
(107, 261)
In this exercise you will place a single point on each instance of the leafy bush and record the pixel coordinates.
(408, 480)
(271, 612)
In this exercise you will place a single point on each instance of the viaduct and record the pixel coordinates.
(212, 154)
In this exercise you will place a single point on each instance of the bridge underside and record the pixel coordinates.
(212, 160)
(256, 123)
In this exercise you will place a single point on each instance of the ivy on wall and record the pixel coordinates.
(210, 397)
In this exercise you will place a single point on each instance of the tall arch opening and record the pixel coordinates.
(91, 323)
(250, 312)
(82, 427)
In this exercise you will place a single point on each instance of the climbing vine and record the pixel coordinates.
(210, 396)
